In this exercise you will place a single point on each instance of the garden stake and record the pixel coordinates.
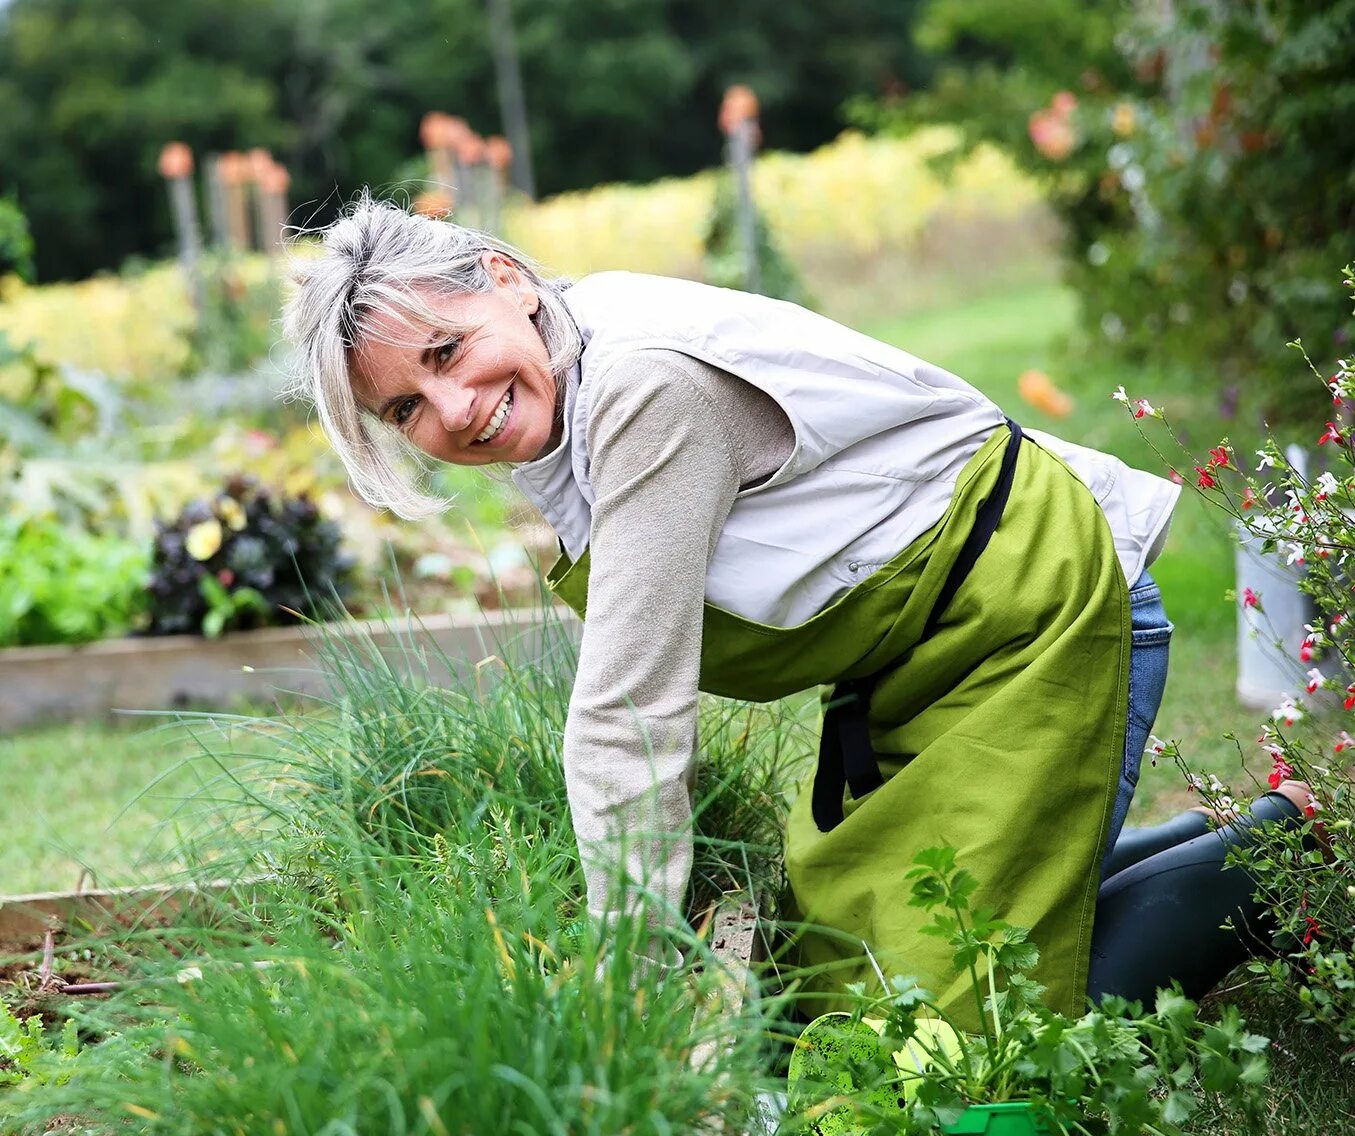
(500, 156)
(176, 167)
(435, 132)
(738, 120)
(216, 203)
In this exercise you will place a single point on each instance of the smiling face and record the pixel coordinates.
(482, 394)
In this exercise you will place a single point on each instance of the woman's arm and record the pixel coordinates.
(671, 440)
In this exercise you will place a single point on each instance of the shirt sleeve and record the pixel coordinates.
(665, 465)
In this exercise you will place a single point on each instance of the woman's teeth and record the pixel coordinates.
(490, 432)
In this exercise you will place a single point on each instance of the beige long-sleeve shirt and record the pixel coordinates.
(672, 441)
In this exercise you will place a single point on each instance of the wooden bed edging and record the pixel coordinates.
(55, 684)
(27, 917)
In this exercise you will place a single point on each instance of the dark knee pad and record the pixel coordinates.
(1137, 844)
(1161, 919)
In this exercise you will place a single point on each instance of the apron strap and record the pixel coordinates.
(846, 759)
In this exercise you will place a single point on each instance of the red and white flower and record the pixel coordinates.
(1288, 711)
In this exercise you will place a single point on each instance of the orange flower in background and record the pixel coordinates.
(176, 161)
(1052, 134)
(1039, 390)
(1063, 103)
(1051, 129)
(470, 148)
(435, 203)
(499, 152)
(739, 105)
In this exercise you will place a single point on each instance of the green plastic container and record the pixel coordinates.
(1011, 1118)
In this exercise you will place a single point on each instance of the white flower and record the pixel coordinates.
(1264, 460)
(1288, 711)
(1120, 396)
(1315, 679)
(1295, 552)
(1326, 485)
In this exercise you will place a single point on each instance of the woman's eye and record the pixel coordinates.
(400, 415)
(444, 354)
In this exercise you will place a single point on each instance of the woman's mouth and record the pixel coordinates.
(500, 419)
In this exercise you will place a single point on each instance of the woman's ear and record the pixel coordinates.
(506, 274)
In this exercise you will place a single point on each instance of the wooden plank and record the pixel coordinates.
(49, 684)
(24, 918)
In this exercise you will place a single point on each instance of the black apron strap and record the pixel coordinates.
(985, 524)
(846, 759)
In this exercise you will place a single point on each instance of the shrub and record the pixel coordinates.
(245, 560)
(59, 584)
(1199, 155)
(1305, 874)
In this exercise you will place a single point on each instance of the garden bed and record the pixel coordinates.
(46, 684)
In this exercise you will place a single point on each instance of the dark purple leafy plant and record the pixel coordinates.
(246, 559)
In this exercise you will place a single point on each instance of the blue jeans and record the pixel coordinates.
(1152, 632)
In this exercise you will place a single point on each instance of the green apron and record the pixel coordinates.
(1001, 733)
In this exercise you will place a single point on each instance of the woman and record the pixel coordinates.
(754, 500)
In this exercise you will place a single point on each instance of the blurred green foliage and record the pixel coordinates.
(616, 90)
(16, 242)
(725, 263)
(60, 584)
(1200, 156)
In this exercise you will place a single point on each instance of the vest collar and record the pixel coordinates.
(548, 482)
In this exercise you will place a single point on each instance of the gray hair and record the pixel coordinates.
(372, 264)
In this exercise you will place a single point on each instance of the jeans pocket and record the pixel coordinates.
(1146, 637)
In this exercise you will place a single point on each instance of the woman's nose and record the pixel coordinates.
(455, 407)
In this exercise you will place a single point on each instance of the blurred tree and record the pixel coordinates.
(1200, 154)
(16, 242)
(92, 91)
(616, 90)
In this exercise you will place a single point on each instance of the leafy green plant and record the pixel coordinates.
(235, 324)
(224, 607)
(1117, 1066)
(29, 1056)
(245, 559)
(59, 584)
